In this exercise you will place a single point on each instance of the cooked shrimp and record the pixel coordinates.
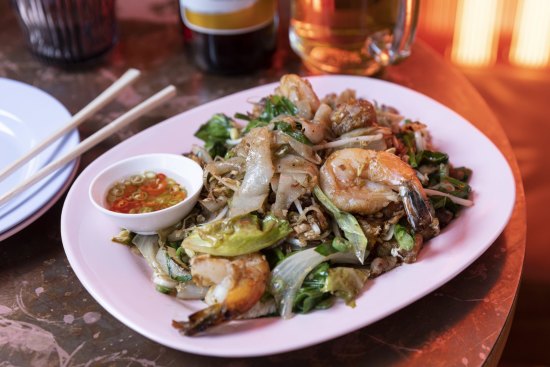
(365, 181)
(299, 92)
(236, 285)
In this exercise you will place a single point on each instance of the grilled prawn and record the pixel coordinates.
(365, 181)
(236, 285)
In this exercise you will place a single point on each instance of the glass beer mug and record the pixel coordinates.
(352, 36)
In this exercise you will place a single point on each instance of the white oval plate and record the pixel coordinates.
(121, 282)
(28, 116)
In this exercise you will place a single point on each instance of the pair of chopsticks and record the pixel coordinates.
(100, 101)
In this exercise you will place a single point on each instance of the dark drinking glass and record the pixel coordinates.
(67, 31)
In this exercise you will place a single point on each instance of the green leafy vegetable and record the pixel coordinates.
(171, 267)
(427, 156)
(345, 283)
(442, 202)
(338, 244)
(403, 238)
(214, 133)
(124, 237)
(325, 249)
(461, 173)
(274, 256)
(294, 133)
(242, 116)
(277, 105)
(347, 223)
(408, 139)
(288, 276)
(461, 189)
(253, 124)
(273, 106)
(163, 289)
(239, 235)
(311, 295)
(341, 244)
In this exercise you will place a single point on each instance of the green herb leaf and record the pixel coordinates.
(297, 134)
(254, 123)
(214, 133)
(277, 105)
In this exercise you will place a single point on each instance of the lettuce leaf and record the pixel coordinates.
(238, 235)
(347, 223)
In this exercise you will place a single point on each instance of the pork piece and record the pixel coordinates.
(352, 115)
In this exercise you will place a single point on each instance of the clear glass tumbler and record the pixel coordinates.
(68, 31)
(352, 36)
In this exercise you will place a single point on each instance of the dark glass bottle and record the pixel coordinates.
(236, 37)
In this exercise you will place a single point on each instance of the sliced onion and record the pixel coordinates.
(202, 153)
(298, 206)
(287, 277)
(137, 179)
(304, 150)
(419, 140)
(362, 131)
(220, 215)
(454, 199)
(342, 142)
(190, 290)
(233, 141)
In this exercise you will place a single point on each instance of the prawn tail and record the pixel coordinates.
(420, 212)
(203, 319)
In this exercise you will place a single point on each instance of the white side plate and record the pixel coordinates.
(28, 116)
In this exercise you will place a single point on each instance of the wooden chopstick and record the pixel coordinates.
(141, 109)
(100, 101)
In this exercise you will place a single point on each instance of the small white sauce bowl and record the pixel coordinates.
(184, 171)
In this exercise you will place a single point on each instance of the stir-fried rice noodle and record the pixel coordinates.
(304, 200)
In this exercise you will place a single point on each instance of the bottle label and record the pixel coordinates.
(227, 16)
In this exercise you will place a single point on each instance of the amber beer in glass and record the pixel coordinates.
(352, 36)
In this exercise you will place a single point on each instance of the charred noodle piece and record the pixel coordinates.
(297, 176)
(254, 188)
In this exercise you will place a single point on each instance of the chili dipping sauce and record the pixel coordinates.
(144, 193)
